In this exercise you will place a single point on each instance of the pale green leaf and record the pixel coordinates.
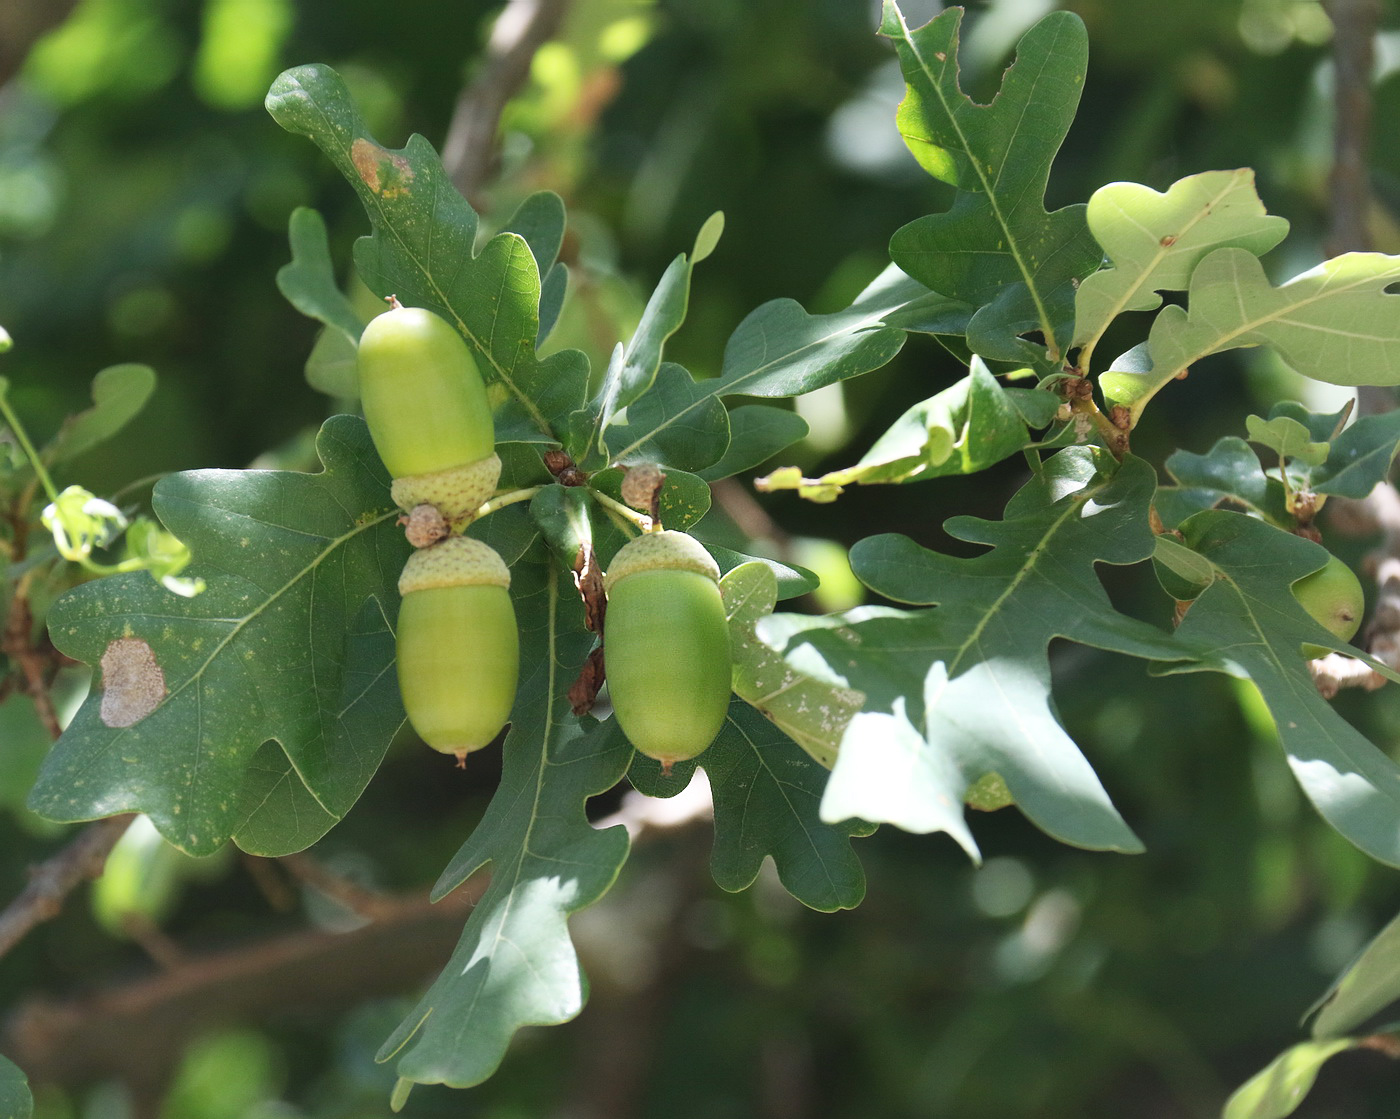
(119, 392)
(887, 773)
(964, 429)
(16, 1102)
(1367, 987)
(1153, 241)
(1277, 1089)
(1286, 437)
(1334, 323)
(811, 712)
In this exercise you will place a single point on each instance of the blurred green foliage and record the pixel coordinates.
(144, 197)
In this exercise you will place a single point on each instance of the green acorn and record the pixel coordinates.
(458, 646)
(427, 411)
(1333, 596)
(666, 646)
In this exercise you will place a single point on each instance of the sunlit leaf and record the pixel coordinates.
(1277, 1089)
(1334, 323)
(1153, 241)
(423, 250)
(964, 429)
(811, 712)
(973, 675)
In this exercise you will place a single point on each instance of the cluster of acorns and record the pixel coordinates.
(667, 639)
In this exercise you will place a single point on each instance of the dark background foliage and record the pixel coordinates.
(144, 195)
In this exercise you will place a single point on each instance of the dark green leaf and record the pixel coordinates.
(998, 155)
(514, 965)
(1250, 625)
(781, 350)
(629, 378)
(766, 794)
(757, 432)
(422, 251)
(676, 422)
(1230, 470)
(193, 687)
(540, 221)
(1360, 456)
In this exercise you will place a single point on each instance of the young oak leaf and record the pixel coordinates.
(967, 427)
(1247, 624)
(1154, 241)
(634, 368)
(422, 250)
(973, 675)
(190, 689)
(1276, 1090)
(514, 964)
(998, 233)
(812, 712)
(1335, 323)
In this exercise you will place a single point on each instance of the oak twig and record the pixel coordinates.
(57, 876)
(469, 153)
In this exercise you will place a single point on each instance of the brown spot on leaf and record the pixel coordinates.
(133, 684)
(384, 172)
(641, 488)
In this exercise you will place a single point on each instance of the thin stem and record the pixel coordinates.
(30, 452)
(505, 499)
(641, 520)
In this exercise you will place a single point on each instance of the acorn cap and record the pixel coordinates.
(459, 561)
(661, 551)
(456, 492)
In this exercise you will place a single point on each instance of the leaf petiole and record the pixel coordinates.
(509, 498)
(612, 505)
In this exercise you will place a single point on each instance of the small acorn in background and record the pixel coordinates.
(1333, 597)
(666, 646)
(458, 646)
